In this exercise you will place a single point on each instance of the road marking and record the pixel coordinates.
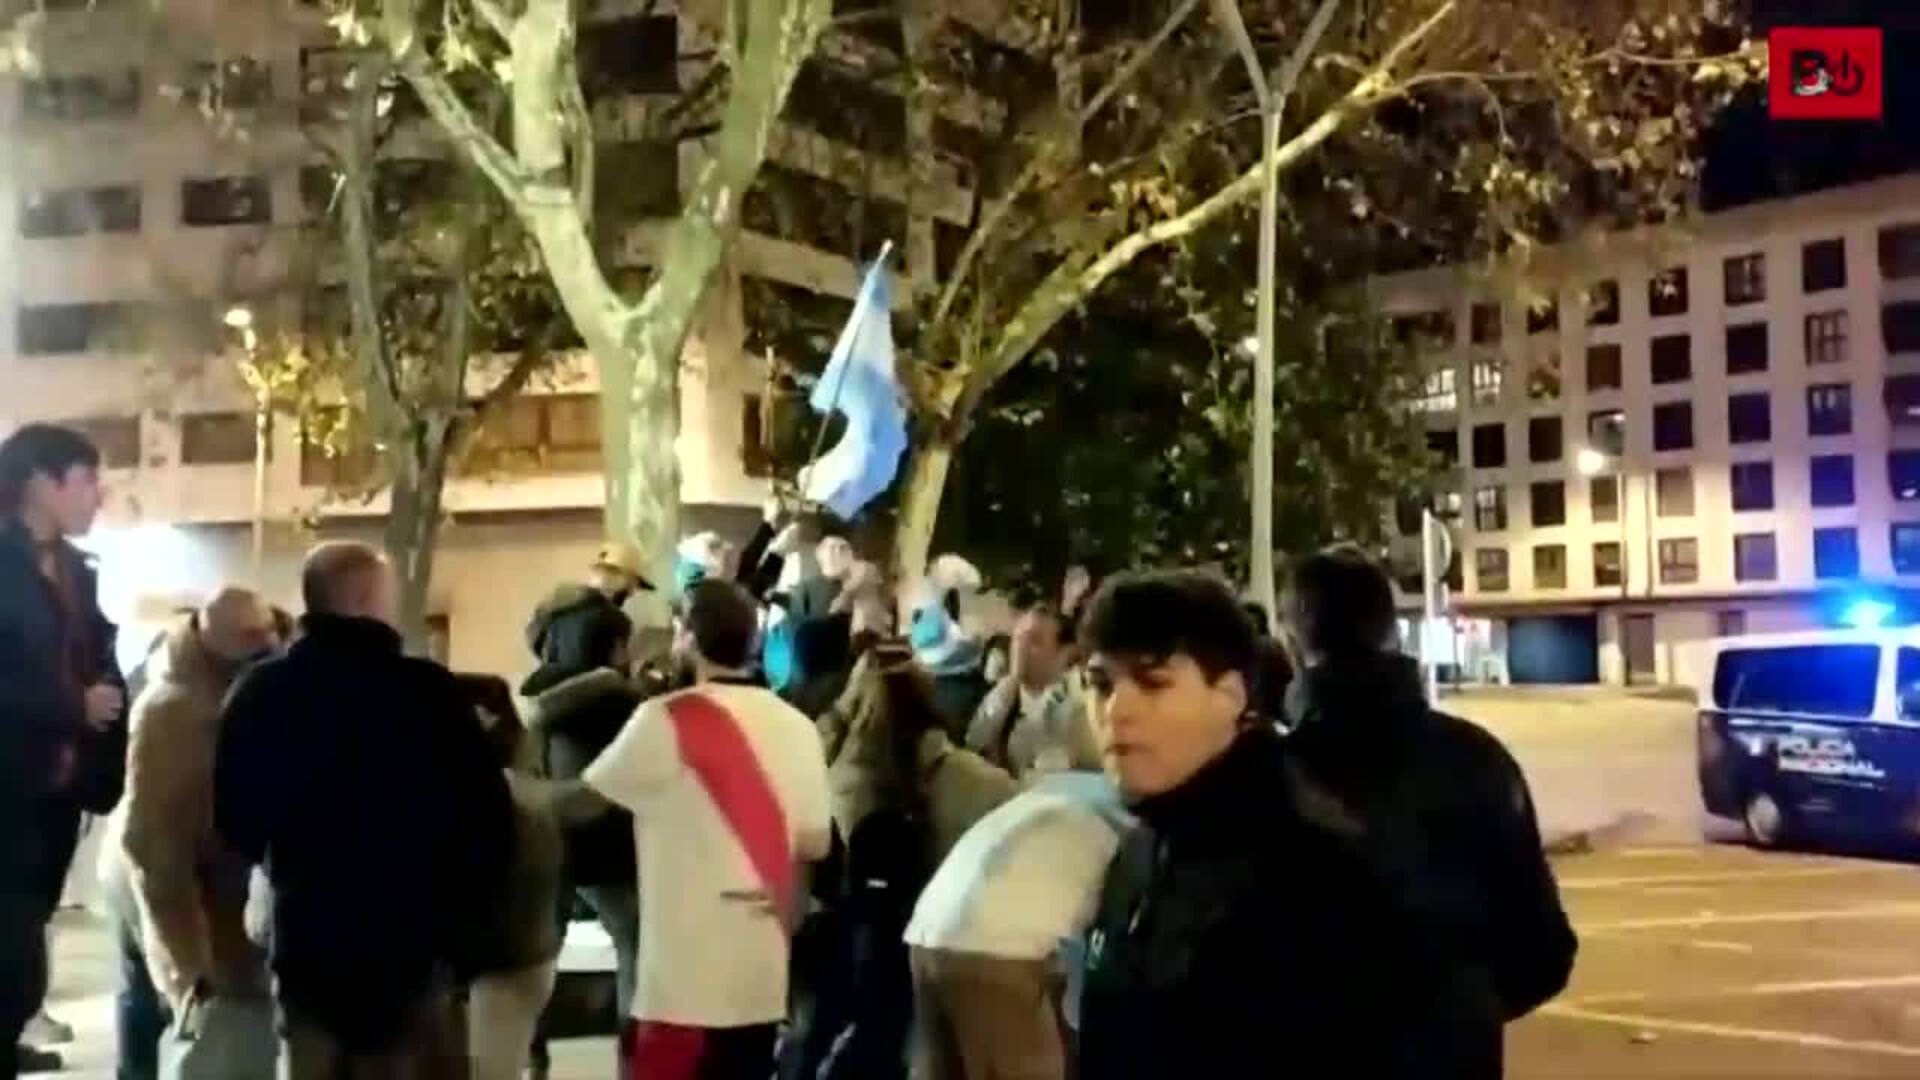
(1722, 878)
(1708, 918)
(1807, 1039)
(1768, 989)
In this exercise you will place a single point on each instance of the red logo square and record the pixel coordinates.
(1824, 73)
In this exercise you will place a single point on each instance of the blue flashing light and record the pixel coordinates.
(1866, 613)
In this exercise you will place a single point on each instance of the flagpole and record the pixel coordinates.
(833, 406)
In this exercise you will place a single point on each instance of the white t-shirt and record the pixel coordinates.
(1025, 876)
(713, 951)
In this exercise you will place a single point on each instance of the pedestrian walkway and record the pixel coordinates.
(83, 981)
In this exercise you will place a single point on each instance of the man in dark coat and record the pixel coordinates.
(1242, 929)
(63, 734)
(581, 697)
(357, 776)
(1443, 803)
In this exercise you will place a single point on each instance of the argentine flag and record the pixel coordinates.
(859, 383)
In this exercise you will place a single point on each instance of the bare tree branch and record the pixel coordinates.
(531, 358)
(495, 17)
(369, 351)
(1046, 156)
(1288, 77)
(401, 36)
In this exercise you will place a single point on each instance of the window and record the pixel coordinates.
(1667, 293)
(97, 96)
(1906, 549)
(76, 211)
(1607, 431)
(1823, 265)
(1543, 316)
(1603, 304)
(1603, 498)
(1439, 395)
(1490, 446)
(116, 437)
(1830, 409)
(1752, 485)
(1546, 439)
(755, 456)
(1903, 475)
(1746, 279)
(242, 83)
(1447, 505)
(217, 439)
(1746, 348)
(1902, 394)
(1749, 418)
(1549, 499)
(1424, 329)
(637, 54)
(1836, 553)
(1550, 566)
(1827, 337)
(1485, 323)
(1900, 326)
(1490, 569)
(57, 329)
(553, 433)
(1603, 367)
(1408, 519)
(1830, 478)
(1490, 509)
(1445, 445)
(1672, 359)
(1900, 252)
(1607, 569)
(1755, 557)
(1729, 623)
(1808, 680)
(1673, 491)
(1488, 378)
(1679, 562)
(226, 200)
(1673, 426)
(1543, 376)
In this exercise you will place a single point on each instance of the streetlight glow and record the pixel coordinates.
(1590, 462)
(239, 317)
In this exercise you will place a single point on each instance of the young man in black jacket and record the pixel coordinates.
(357, 776)
(63, 734)
(1444, 805)
(1242, 930)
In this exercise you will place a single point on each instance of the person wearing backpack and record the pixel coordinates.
(1445, 809)
(903, 795)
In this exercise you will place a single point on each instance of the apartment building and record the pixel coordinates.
(131, 223)
(1678, 436)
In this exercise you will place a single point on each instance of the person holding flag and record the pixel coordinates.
(727, 785)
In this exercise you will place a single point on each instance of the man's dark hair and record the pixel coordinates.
(724, 622)
(40, 450)
(1152, 617)
(1340, 602)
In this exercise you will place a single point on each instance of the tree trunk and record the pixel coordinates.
(920, 511)
(413, 524)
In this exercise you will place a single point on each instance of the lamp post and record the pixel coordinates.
(240, 318)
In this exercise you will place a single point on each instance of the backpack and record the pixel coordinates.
(889, 859)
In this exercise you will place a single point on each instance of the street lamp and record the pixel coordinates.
(1590, 462)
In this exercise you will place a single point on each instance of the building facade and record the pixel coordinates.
(158, 176)
(1656, 440)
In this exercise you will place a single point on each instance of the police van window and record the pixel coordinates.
(1807, 680)
(1906, 677)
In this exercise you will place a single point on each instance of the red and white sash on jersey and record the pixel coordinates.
(716, 749)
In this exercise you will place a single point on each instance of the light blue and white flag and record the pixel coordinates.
(860, 384)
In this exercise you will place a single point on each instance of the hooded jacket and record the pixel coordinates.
(1241, 931)
(575, 719)
(1448, 812)
(192, 891)
(1055, 732)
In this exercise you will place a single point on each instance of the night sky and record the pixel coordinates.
(1750, 157)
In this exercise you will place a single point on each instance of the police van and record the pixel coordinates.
(1812, 736)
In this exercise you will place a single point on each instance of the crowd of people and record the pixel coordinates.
(1131, 838)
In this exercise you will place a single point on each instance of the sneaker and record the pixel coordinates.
(34, 1061)
(44, 1030)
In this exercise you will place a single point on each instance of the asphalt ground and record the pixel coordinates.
(1721, 961)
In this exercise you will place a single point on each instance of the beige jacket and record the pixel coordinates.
(1055, 736)
(192, 894)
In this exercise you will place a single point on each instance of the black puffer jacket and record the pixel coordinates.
(1447, 811)
(576, 719)
(1243, 932)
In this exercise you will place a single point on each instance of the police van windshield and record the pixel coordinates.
(1808, 680)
